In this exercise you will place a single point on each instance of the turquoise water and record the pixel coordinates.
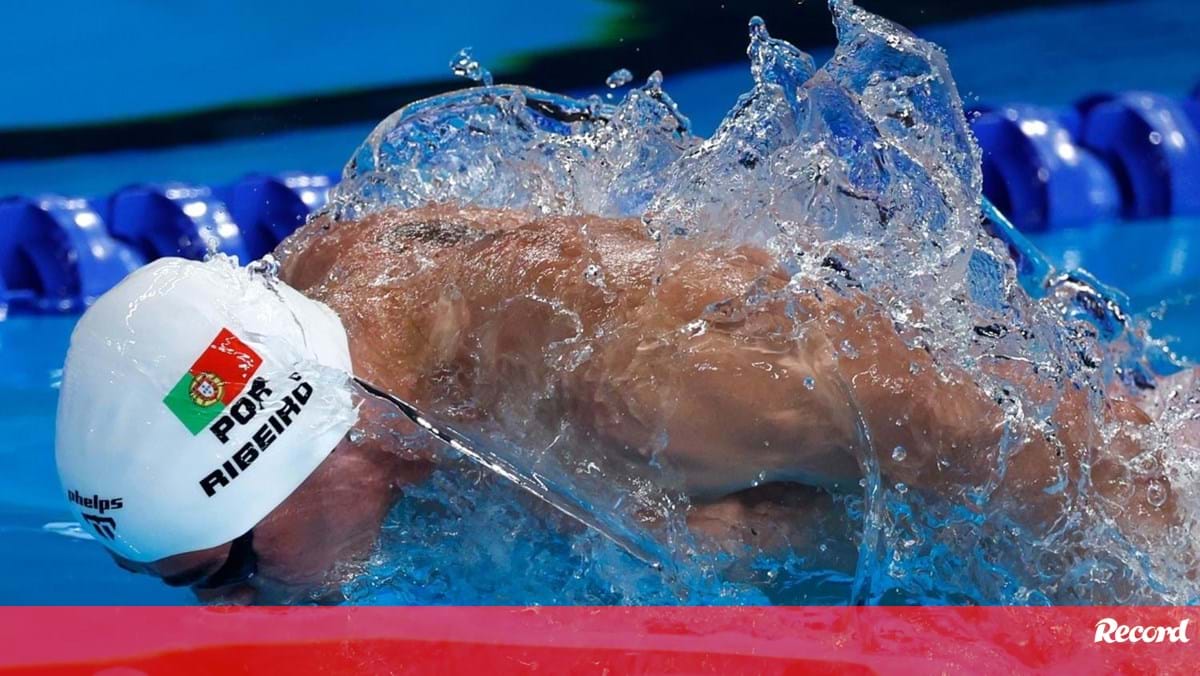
(1156, 263)
(273, 48)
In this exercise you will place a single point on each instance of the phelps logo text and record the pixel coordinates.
(216, 378)
(105, 526)
(95, 502)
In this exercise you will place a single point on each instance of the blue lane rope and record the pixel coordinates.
(58, 254)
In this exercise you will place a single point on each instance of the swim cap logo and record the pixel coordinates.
(206, 389)
(106, 526)
(216, 378)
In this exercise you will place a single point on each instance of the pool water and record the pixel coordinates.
(1156, 263)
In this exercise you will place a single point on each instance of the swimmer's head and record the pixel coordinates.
(195, 399)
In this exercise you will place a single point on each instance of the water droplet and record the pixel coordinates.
(1156, 493)
(848, 350)
(464, 65)
(1155, 137)
(619, 78)
(594, 275)
(810, 383)
(758, 28)
(899, 453)
(356, 435)
(654, 82)
(267, 266)
(901, 487)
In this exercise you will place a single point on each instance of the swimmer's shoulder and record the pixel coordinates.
(446, 232)
(326, 244)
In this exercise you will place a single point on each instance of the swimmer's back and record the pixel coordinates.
(419, 291)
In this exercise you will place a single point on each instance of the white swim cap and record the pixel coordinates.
(196, 397)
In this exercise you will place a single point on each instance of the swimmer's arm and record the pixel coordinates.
(850, 398)
(951, 430)
(729, 401)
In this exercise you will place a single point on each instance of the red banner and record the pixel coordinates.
(599, 640)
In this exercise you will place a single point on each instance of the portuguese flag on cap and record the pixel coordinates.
(213, 382)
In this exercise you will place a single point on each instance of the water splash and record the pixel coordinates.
(619, 78)
(861, 177)
(465, 65)
(69, 529)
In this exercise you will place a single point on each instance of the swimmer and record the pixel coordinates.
(206, 400)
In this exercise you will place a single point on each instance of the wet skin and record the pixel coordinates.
(764, 417)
